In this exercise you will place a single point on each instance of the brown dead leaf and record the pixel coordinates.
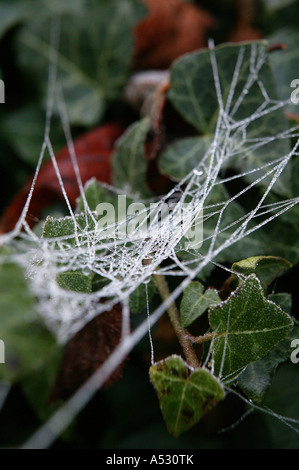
(87, 351)
(244, 29)
(172, 28)
(93, 150)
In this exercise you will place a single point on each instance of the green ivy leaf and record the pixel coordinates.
(37, 385)
(24, 131)
(256, 380)
(274, 239)
(27, 342)
(137, 300)
(65, 227)
(247, 326)
(266, 268)
(94, 56)
(282, 240)
(232, 213)
(10, 14)
(193, 93)
(285, 63)
(283, 300)
(195, 302)
(95, 193)
(75, 281)
(129, 160)
(278, 4)
(184, 155)
(283, 398)
(184, 397)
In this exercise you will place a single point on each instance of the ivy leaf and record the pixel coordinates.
(184, 155)
(94, 56)
(24, 131)
(129, 162)
(278, 4)
(38, 383)
(27, 342)
(65, 226)
(283, 300)
(274, 239)
(285, 63)
(95, 194)
(10, 14)
(256, 380)
(195, 302)
(75, 281)
(137, 300)
(247, 326)
(232, 213)
(266, 268)
(193, 93)
(184, 397)
(283, 399)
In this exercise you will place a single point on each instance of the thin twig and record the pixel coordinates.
(182, 334)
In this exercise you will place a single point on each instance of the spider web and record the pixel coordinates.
(131, 261)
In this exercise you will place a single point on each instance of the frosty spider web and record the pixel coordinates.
(130, 261)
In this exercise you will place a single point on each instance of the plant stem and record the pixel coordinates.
(182, 334)
(201, 339)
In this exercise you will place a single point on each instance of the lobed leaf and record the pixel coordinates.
(195, 302)
(257, 378)
(94, 55)
(196, 84)
(129, 161)
(266, 268)
(137, 301)
(184, 397)
(75, 281)
(247, 326)
(27, 342)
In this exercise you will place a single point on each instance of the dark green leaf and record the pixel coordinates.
(27, 342)
(94, 56)
(267, 268)
(75, 281)
(24, 131)
(256, 380)
(96, 194)
(247, 326)
(285, 64)
(129, 161)
(195, 302)
(183, 156)
(38, 384)
(65, 227)
(193, 93)
(283, 399)
(278, 4)
(10, 14)
(13, 12)
(184, 397)
(283, 300)
(138, 297)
